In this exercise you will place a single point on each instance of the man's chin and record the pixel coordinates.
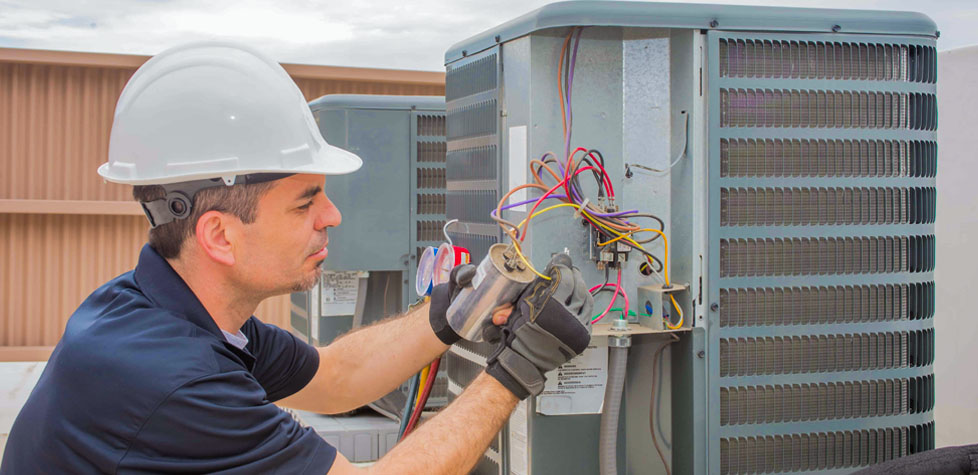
(309, 282)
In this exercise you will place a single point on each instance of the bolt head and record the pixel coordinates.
(836, 28)
(714, 307)
(714, 23)
(701, 354)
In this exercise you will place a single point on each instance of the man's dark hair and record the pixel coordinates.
(238, 200)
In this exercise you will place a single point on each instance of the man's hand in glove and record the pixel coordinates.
(550, 324)
(442, 296)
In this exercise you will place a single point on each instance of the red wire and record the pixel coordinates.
(567, 170)
(613, 297)
(606, 179)
(430, 383)
(545, 195)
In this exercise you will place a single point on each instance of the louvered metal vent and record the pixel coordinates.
(477, 163)
(826, 353)
(820, 206)
(431, 152)
(431, 125)
(827, 158)
(827, 109)
(823, 450)
(827, 60)
(472, 182)
(826, 305)
(826, 256)
(823, 155)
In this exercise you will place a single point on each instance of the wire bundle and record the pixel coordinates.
(421, 385)
(612, 225)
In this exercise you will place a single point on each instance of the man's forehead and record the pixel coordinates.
(300, 186)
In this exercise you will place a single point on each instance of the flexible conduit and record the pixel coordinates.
(608, 440)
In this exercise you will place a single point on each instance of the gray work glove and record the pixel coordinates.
(550, 324)
(442, 296)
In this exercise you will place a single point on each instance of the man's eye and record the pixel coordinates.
(306, 206)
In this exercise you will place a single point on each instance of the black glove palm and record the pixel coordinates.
(549, 325)
(442, 296)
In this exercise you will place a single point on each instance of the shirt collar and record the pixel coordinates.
(165, 288)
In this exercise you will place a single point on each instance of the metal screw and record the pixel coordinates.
(465, 52)
(836, 28)
(714, 307)
(498, 38)
(701, 354)
(937, 34)
(714, 23)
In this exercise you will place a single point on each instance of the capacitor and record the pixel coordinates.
(499, 279)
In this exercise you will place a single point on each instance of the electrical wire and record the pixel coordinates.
(618, 290)
(408, 405)
(652, 403)
(422, 382)
(432, 375)
(657, 395)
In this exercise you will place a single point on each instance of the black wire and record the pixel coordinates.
(662, 225)
(607, 278)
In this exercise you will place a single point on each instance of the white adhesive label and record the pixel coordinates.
(339, 293)
(517, 164)
(480, 272)
(578, 386)
(519, 457)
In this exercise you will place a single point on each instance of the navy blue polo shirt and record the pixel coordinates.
(143, 381)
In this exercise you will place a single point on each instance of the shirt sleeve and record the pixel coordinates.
(283, 363)
(222, 423)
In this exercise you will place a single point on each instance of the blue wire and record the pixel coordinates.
(409, 404)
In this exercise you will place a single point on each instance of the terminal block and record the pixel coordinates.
(655, 307)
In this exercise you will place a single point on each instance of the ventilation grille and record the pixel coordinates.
(431, 178)
(813, 256)
(827, 158)
(477, 163)
(477, 244)
(823, 450)
(431, 203)
(826, 305)
(827, 109)
(428, 230)
(825, 401)
(431, 125)
(470, 78)
(431, 152)
(821, 206)
(472, 206)
(473, 120)
(825, 353)
(823, 60)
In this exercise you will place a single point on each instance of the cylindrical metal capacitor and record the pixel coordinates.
(498, 280)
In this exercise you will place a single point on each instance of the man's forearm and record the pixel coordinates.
(453, 440)
(367, 363)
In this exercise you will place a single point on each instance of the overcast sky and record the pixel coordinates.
(402, 34)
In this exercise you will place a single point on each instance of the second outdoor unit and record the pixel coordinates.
(392, 208)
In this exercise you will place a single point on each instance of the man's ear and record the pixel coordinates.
(213, 237)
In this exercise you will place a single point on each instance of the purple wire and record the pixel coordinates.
(568, 117)
(534, 200)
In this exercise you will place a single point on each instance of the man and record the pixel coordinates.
(164, 369)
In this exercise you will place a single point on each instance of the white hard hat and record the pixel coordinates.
(215, 110)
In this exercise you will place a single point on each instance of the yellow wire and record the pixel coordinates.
(625, 236)
(421, 381)
(678, 309)
(516, 245)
